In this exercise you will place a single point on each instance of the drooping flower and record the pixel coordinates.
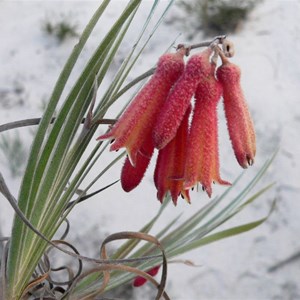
(139, 280)
(159, 117)
(202, 160)
(137, 122)
(169, 170)
(239, 122)
(131, 176)
(174, 108)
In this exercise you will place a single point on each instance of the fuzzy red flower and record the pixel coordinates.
(138, 120)
(169, 170)
(139, 280)
(239, 122)
(202, 161)
(131, 176)
(159, 117)
(179, 99)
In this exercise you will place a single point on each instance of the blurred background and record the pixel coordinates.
(36, 39)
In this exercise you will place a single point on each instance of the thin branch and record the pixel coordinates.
(218, 40)
(36, 121)
(133, 83)
(83, 198)
(286, 261)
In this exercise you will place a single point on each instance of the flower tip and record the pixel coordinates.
(243, 163)
(104, 136)
(207, 189)
(114, 147)
(160, 196)
(245, 160)
(187, 185)
(139, 281)
(117, 144)
(126, 187)
(132, 157)
(185, 195)
(131, 176)
(250, 160)
(223, 182)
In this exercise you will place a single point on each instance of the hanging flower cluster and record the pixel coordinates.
(159, 115)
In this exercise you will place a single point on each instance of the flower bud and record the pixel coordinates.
(239, 122)
(131, 176)
(139, 280)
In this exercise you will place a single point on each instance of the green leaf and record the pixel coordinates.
(49, 152)
(222, 234)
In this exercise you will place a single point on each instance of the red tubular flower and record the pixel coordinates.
(138, 120)
(202, 161)
(132, 176)
(139, 280)
(179, 99)
(169, 170)
(239, 122)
